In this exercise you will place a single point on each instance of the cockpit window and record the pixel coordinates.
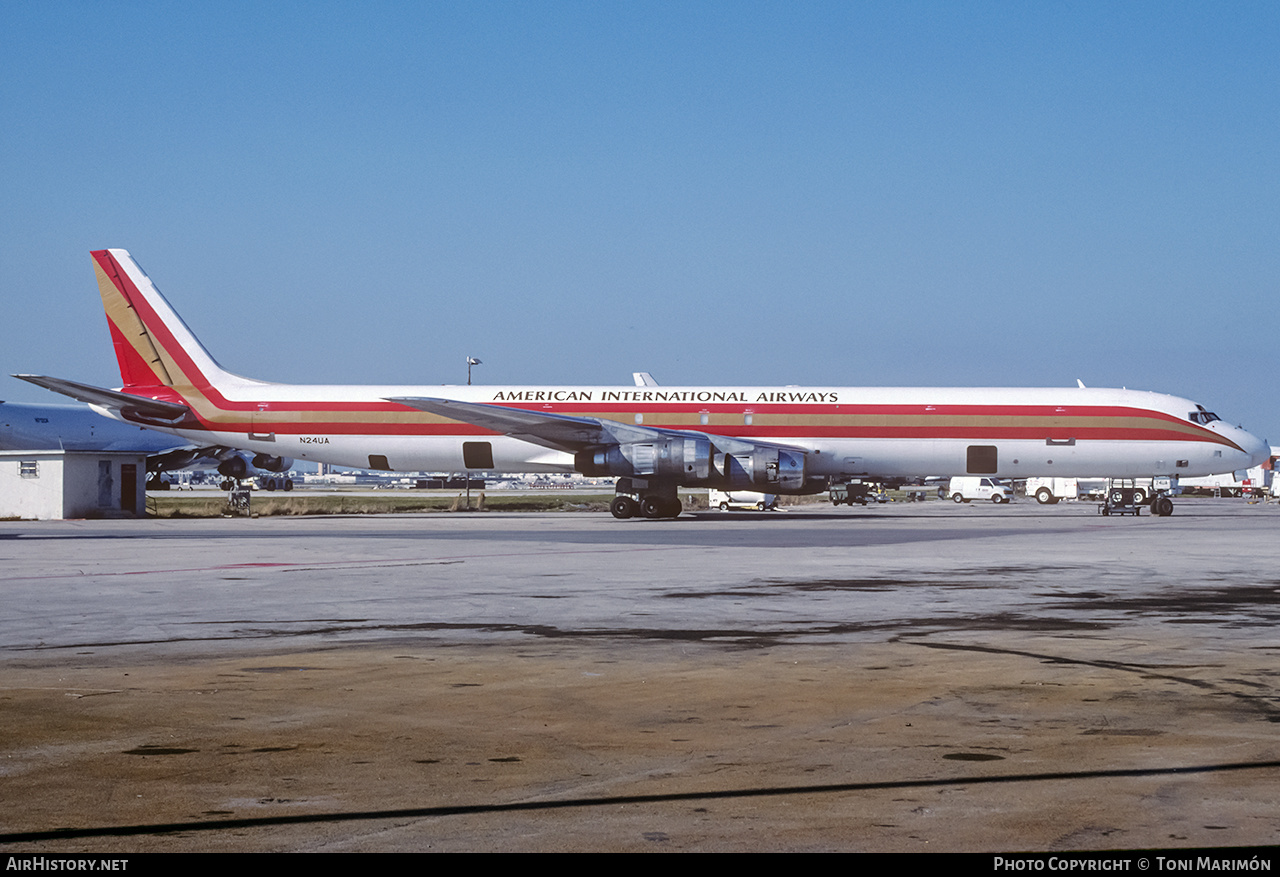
(1202, 416)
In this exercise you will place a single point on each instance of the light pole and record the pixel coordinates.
(466, 473)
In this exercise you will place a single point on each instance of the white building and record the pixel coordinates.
(51, 485)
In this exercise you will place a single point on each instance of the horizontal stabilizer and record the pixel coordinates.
(138, 406)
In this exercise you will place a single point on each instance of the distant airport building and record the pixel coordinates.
(51, 485)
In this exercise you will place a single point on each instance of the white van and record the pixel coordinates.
(740, 499)
(966, 488)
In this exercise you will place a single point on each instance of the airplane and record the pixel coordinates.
(27, 427)
(653, 439)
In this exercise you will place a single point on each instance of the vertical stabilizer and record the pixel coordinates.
(153, 346)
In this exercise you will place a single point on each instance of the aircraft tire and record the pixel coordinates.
(622, 507)
(652, 507)
(1162, 506)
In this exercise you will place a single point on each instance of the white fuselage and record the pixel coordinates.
(845, 431)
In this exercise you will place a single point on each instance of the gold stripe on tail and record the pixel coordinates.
(125, 318)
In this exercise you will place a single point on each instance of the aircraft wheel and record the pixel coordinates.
(622, 507)
(1163, 506)
(653, 507)
(1044, 496)
(957, 497)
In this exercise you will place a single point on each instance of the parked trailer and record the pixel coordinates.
(848, 494)
(1051, 490)
(1126, 496)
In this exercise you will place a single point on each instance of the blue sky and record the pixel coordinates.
(844, 194)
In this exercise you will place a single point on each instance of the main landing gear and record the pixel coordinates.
(637, 499)
(624, 507)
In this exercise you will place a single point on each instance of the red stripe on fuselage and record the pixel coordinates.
(990, 430)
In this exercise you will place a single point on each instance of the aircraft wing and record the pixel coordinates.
(150, 409)
(562, 432)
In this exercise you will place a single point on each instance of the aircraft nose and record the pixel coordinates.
(1257, 449)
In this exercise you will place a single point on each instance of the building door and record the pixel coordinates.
(129, 487)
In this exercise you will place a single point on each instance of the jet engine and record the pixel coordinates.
(698, 463)
(234, 467)
(771, 470)
(685, 461)
(272, 464)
